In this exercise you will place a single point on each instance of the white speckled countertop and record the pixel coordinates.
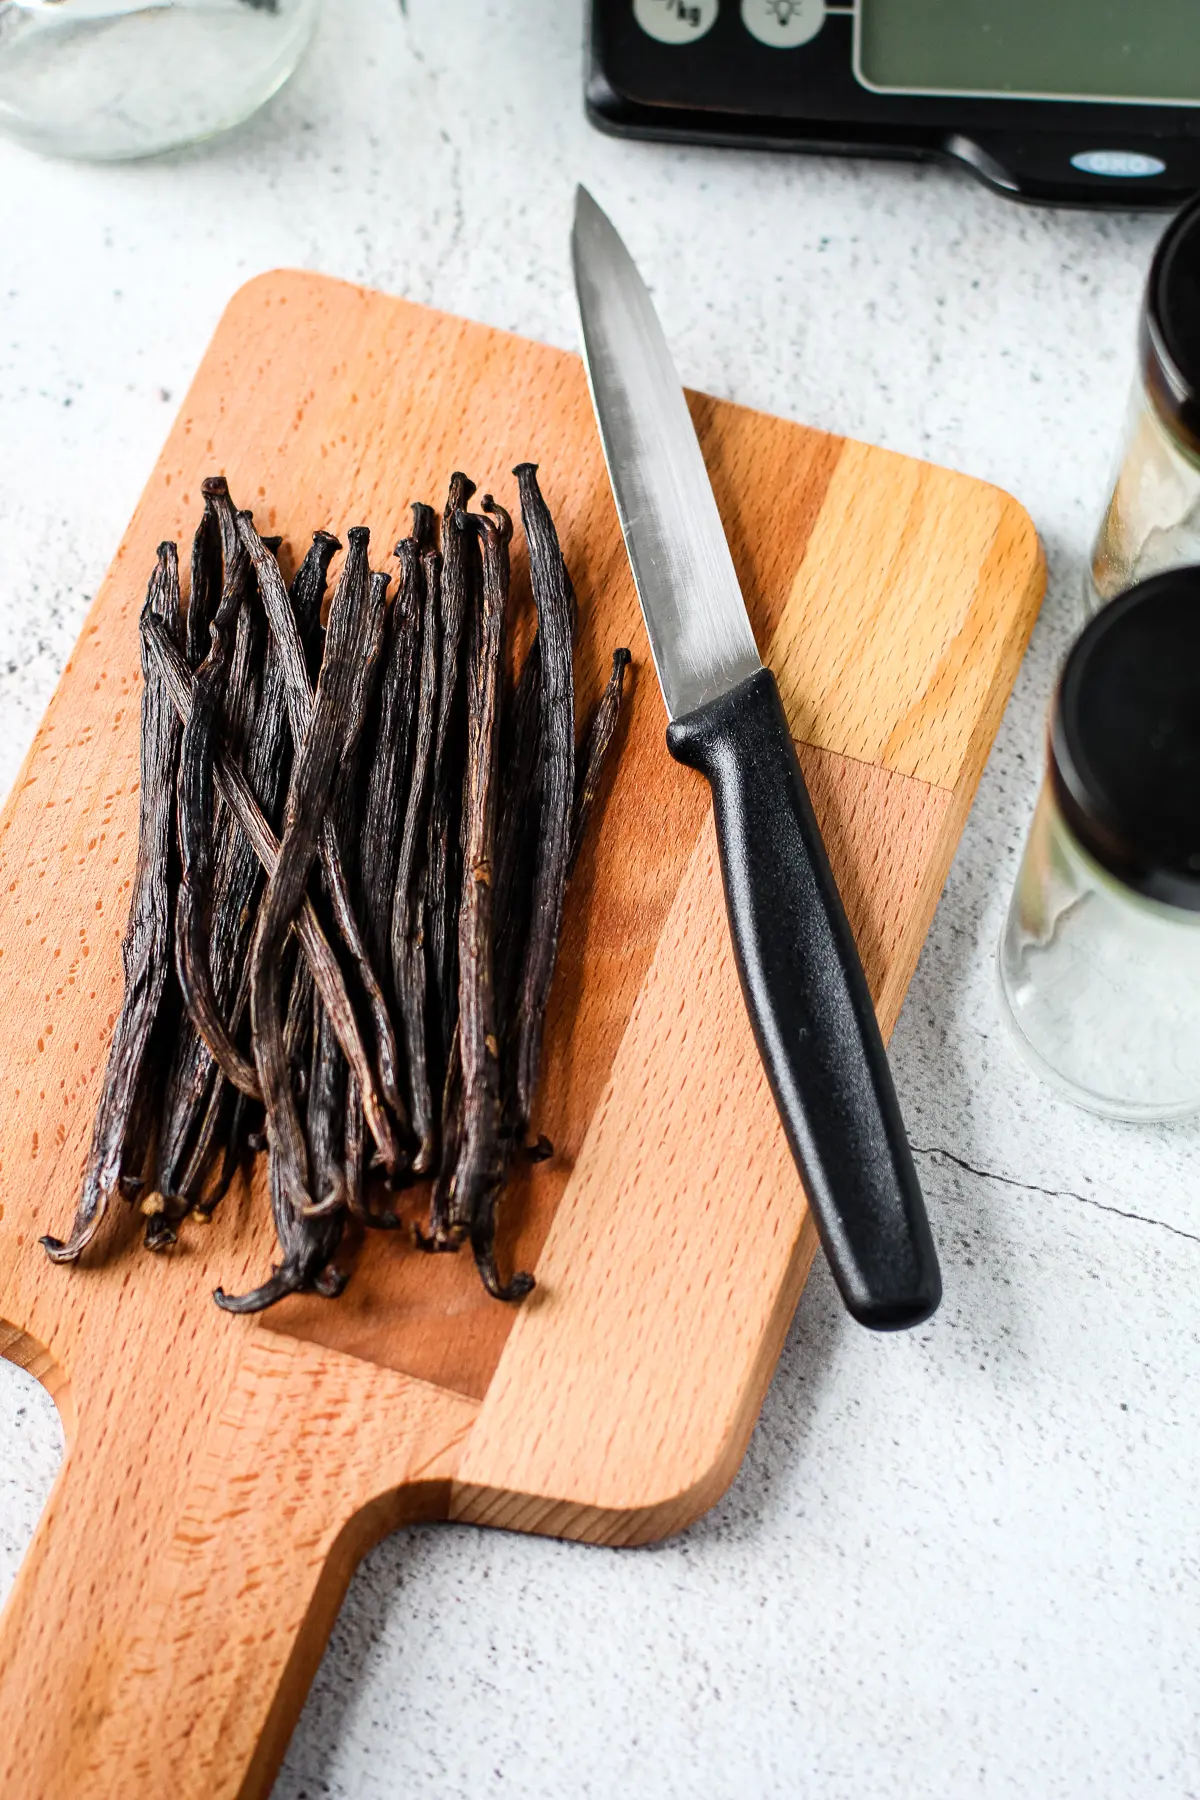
(958, 1563)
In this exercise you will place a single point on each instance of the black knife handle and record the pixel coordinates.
(810, 1008)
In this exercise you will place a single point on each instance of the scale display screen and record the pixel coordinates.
(1126, 51)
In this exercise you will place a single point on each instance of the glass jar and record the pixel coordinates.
(109, 79)
(1100, 959)
(1152, 520)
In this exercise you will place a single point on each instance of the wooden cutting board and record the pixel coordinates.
(224, 1476)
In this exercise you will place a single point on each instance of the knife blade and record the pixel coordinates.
(801, 977)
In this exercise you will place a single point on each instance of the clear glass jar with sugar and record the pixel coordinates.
(1100, 958)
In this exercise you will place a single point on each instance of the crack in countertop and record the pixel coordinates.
(1031, 1187)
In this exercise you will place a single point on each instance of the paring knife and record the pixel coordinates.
(801, 977)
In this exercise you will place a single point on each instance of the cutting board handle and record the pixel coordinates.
(172, 1664)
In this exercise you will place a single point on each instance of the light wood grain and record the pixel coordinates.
(893, 625)
(223, 1476)
(185, 1576)
(694, 1177)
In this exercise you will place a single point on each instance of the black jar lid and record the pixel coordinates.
(1125, 739)
(1170, 336)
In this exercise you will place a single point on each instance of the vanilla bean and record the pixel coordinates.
(387, 785)
(146, 951)
(216, 1122)
(245, 1134)
(408, 907)
(298, 690)
(192, 1082)
(194, 907)
(348, 795)
(479, 1174)
(308, 1245)
(330, 1074)
(225, 1119)
(314, 775)
(326, 1120)
(459, 582)
(237, 792)
(195, 1091)
(516, 836)
(353, 1158)
(445, 816)
(243, 692)
(516, 848)
(440, 1235)
(598, 738)
(307, 596)
(257, 733)
(226, 514)
(207, 572)
(299, 1032)
(555, 600)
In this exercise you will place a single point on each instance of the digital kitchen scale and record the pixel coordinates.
(1078, 102)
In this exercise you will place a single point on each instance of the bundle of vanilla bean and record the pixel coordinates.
(356, 835)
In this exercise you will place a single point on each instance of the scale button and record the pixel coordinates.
(1123, 165)
(783, 23)
(676, 21)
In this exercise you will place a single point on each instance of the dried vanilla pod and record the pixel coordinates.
(480, 1167)
(346, 813)
(299, 693)
(353, 1159)
(512, 888)
(268, 754)
(308, 1245)
(516, 841)
(330, 1074)
(516, 848)
(459, 582)
(597, 743)
(207, 569)
(242, 689)
(192, 1081)
(193, 1085)
(194, 907)
(462, 567)
(244, 1135)
(290, 646)
(326, 1119)
(299, 1033)
(434, 816)
(339, 837)
(354, 1167)
(146, 951)
(190, 1077)
(387, 780)
(555, 600)
(231, 1119)
(317, 951)
(314, 774)
(217, 488)
(307, 596)
(408, 906)
(267, 761)
(439, 1235)
(199, 1110)
(188, 1193)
